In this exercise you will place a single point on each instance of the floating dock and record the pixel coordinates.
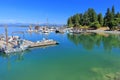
(43, 43)
(30, 44)
(15, 44)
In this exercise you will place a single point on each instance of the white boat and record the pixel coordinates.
(15, 50)
(30, 30)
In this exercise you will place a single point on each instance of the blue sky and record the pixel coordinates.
(57, 11)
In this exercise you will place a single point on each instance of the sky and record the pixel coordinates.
(56, 11)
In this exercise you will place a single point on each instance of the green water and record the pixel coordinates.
(77, 57)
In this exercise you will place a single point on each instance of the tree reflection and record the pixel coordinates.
(90, 40)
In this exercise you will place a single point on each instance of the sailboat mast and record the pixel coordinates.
(47, 22)
(6, 35)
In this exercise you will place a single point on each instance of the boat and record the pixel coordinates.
(15, 50)
(30, 29)
(45, 31)
(13, 44)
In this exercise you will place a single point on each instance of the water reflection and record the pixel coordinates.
(19, 56)
(90, 40)
(13, 57)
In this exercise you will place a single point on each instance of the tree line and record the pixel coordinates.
(90, 18)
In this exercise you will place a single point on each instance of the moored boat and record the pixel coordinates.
(15, 50)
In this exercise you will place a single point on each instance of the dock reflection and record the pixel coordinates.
(12, 57)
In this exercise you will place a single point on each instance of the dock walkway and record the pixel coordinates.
(30, 44)
(43, 43)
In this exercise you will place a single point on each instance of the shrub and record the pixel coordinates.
(95, 25)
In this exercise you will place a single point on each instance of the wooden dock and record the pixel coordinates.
(29, 44)
(43, 43)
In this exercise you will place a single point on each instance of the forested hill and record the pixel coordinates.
(91, 19)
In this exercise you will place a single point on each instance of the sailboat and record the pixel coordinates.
(46, 29)
(30, 29)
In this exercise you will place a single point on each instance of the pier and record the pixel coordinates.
(13, 44)
(44, 42)
(26, 45)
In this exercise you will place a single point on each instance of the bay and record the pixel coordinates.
(87, 56)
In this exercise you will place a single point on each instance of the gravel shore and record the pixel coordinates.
(102, 31)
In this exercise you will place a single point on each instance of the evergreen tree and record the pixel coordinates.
(117, 15)
(113, 11)
(73, 19)
(81, 19)
(70, 24)
(100, 19)
(92, 15)
(86, 21)
(108, 17)
(77, 19)
(110, 20)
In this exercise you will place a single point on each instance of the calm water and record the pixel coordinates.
(77, 57)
